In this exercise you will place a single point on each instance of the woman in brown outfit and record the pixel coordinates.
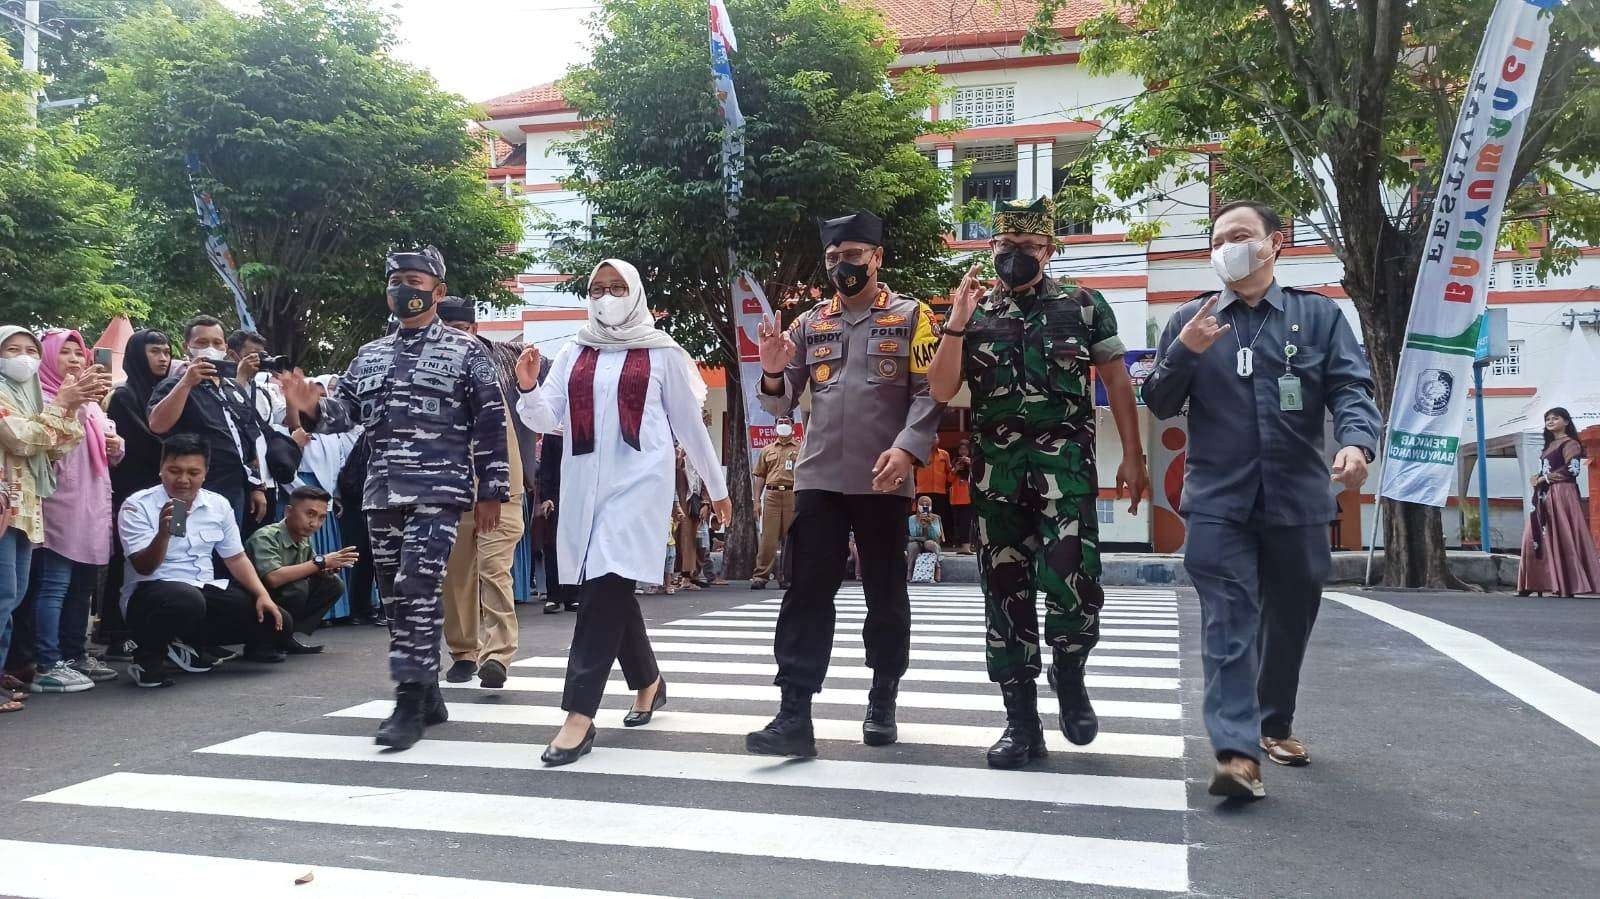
(1558, 553)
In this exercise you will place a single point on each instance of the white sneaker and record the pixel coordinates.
(188, 658)
(60, 679)
(94, 669)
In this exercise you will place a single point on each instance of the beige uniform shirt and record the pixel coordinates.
(868, 377)
(775, 466)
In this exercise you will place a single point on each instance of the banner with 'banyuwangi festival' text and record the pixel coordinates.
(1430, 402)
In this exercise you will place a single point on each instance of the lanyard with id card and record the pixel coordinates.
(1290, 397)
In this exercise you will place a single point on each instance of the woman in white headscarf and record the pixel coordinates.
(622, 391)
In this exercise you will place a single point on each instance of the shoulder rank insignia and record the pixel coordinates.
(822, 327)
(882, 301)
(824, 373)
(833, 308)
(889, 318)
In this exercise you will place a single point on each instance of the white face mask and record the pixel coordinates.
(21, 369)
(613, 312)
(209, 353)
(785, 430)
(1234, 262)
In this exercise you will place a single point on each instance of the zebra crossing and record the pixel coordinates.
(1104, 816)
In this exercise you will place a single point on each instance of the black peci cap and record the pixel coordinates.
(860, 226)
(427, 260)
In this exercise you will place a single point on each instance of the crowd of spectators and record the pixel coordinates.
(158, 500)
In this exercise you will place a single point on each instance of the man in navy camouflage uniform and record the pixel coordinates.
(429, 401)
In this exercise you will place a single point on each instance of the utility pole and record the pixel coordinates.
(28, 23)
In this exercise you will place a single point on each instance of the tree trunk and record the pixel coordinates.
(739, 554)
(1381, 286)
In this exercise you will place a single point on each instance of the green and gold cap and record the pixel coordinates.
(1026, 217)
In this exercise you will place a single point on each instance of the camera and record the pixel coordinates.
(274, 364)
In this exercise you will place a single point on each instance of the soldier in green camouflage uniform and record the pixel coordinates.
(1025, 352)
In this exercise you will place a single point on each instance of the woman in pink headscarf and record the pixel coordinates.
(77, 531)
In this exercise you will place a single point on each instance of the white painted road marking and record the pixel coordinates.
(849, 672)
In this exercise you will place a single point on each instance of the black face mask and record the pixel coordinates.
(408, 301)
(849, 278)
(1016, 268)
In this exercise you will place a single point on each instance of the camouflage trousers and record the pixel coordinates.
(410, 546)
(1031, 546)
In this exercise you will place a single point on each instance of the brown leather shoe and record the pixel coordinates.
(1238, 778)
(1287, 751)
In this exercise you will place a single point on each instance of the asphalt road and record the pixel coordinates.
(1428, 779)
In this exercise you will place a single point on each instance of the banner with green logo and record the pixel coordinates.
(1430, 403)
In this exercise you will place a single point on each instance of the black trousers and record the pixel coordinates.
(610, 628)
(353, 532)
(555, 591)
(309, 600)
(162, 611)
(819, 543)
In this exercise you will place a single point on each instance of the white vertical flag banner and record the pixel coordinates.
(748, 298)
(1429, 407)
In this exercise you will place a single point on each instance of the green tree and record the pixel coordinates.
(71, 62)
(321, 151)
(1343, 110)
(59, 228)
(827, 133)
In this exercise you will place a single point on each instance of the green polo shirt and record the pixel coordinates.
(272, 548)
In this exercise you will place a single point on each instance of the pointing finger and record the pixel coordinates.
(1209, 304)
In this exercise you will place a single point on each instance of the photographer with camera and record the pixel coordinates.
(204, 399)
(276, 449)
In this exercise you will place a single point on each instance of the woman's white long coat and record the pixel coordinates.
(615, 505)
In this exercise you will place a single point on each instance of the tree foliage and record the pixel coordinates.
(1341, 112)
(826, 134)
(71, 63)
(59, 228)
(321, 151)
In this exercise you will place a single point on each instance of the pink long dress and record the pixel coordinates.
(1558, 553)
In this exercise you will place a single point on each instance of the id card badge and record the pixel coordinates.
(1290, 398)
(788, 464)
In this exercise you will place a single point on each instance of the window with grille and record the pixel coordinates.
(1105, 510)
(1511, 362)
(1492, 270)
(994, 104)
(1525, 274)
(992, 188)
(1064, 178)
(991, 153)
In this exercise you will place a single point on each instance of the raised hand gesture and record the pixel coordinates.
(1200, 332)
(965, 300)
(299, 393)
(528, 368)
(777, 349)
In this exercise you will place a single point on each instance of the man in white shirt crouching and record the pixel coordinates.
(173, 602)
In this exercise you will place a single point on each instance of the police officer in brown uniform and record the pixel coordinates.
(775, 471)
(864, 355)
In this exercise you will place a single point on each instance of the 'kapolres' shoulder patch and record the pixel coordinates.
(923, 341)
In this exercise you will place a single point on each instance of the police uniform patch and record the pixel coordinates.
(821, 352)
(882, 301)
(892, 318)
(823, 373)
(923, 343)
(888, 367)
(824, 327)
(889, 346)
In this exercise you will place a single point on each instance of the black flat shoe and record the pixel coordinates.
(636, 718)
(461, 672)
(551, 608)
(293, 646)
(554, 757)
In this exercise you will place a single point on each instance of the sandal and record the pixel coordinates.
(17, 689)
(12, 706)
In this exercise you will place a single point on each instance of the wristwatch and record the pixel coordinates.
(321, 561)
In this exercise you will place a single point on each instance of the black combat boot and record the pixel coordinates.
(790, 733)
(879, 729)
(1078, 721)
(403, 729)
(433, 707)
(1023, 739)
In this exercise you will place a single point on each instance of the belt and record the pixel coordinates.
(779, 489)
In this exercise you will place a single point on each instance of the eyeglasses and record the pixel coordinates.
(854, 257)
(596, 291)
(1033, 249)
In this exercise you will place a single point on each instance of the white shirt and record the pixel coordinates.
(614, 499)
(211, 526)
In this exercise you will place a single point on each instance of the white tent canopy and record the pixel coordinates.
(1575, 387)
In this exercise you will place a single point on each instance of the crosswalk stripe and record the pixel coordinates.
(670, 720)
(66, 871)
(765, 648)
(972, 656)
(831, 774)
(687, 628)
(972, 629)
(1136, 864)
(852, 672)
(755, 611)
(907, 699)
